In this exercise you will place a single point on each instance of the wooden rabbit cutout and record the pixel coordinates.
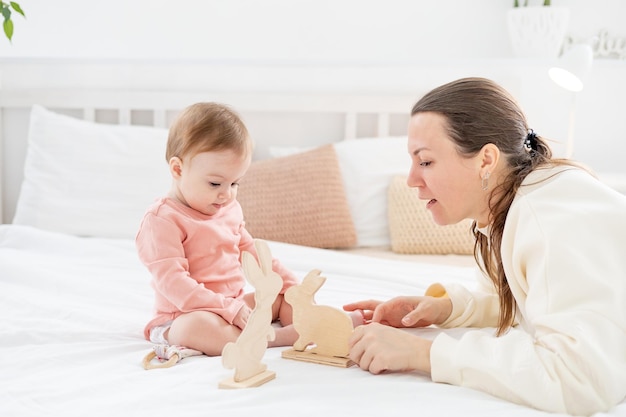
(323, 331)
(246, 353)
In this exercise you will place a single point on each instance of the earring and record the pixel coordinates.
(484, 183)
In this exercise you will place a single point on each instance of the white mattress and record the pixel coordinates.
(72, 311)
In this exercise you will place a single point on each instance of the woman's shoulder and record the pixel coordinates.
(566, 182)
(560, 193)
(563, 204)
(548, 174)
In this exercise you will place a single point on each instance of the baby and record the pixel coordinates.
(192, 240)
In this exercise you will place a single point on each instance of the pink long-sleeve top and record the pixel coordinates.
(195, 260)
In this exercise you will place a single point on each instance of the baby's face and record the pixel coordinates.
(208, 181)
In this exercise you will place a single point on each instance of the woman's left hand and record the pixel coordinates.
(377, 348)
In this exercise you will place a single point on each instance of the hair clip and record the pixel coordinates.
(531, 141)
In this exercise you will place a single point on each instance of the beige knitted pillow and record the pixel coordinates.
(412, 229)
(298, 199)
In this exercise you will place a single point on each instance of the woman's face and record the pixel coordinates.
(450, 182)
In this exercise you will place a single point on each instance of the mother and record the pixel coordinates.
(550, 241)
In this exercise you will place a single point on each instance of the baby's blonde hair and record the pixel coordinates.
(205, 127)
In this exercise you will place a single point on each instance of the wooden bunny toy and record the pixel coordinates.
(246, 353)
(326, 327)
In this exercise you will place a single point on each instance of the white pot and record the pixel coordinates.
(537, 31)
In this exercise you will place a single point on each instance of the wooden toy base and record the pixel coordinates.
(307, 356)
(255, 381)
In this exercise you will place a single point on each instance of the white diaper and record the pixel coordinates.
(157, 333)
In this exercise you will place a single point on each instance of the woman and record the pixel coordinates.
(550, 241)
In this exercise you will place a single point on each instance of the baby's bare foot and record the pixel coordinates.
(358, 318)
(285, 336)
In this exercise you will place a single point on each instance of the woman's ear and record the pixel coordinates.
(176, 167)
(489, 157)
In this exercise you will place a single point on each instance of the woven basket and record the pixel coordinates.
(413, 231)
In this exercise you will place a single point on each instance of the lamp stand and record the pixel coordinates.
(569, 145)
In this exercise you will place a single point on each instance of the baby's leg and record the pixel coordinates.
(286, 334)
(203, 331)
(281, 310)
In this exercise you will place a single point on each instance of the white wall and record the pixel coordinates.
(294, 31)
(356, 45)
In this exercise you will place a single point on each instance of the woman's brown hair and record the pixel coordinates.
(478, 111)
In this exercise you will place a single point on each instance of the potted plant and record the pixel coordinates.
(537, 31)
(7, 9)
(516, 3)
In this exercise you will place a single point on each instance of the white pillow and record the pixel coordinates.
(90, 179)
(367, 166)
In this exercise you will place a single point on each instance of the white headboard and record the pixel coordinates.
(273, 118)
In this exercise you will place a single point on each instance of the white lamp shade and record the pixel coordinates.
(573, 67)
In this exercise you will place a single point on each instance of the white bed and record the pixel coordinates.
(74, 298)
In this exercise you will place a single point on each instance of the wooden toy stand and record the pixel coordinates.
(323, 331)
(254, 381)
(308, 356)
(246, 353)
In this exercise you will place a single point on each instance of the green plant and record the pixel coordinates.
(516, 3)
(6, 7)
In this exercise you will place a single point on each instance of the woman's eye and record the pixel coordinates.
(425, 163)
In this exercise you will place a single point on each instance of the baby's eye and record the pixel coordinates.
(234, 185)
(215, 184)
(425, 163)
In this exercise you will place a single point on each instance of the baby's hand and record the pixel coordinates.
(241, 319)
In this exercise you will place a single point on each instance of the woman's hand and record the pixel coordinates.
(377, 348)
(418, 311)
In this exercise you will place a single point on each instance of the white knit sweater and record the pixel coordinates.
(564, 254)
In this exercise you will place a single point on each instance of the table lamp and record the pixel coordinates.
(570, 73)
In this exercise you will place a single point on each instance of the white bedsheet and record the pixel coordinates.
(72, 311)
